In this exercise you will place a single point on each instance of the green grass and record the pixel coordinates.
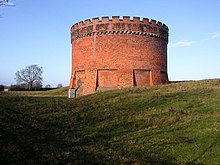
(177, 123)
(59, 92)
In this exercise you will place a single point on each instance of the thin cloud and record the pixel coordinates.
(217, 35)
(214, 36)
(183, 43)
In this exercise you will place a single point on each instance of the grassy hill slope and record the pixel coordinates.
(177, 123)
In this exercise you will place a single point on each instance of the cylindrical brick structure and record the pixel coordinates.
(118, 53)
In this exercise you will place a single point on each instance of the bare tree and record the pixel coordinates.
(30, 75)
(37, 85)
(6, 3)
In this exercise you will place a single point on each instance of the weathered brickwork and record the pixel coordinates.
(118, 53)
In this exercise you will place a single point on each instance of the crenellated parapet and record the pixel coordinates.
(135, 26)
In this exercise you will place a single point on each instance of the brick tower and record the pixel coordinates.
(117, 53)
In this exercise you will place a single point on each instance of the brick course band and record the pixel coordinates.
(119, 32)
(118, 53)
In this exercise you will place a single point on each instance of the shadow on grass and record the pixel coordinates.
(28, 137)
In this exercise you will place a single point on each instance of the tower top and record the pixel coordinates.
(124, 25)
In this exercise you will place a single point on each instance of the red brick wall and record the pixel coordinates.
(118, 53)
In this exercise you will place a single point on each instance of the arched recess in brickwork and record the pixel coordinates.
(141, 77)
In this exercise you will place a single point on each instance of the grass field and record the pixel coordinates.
(177, 123)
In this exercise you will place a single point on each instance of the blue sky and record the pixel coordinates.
(38, 32)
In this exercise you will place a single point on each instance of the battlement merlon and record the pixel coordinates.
(105, 24)
(116, 19)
